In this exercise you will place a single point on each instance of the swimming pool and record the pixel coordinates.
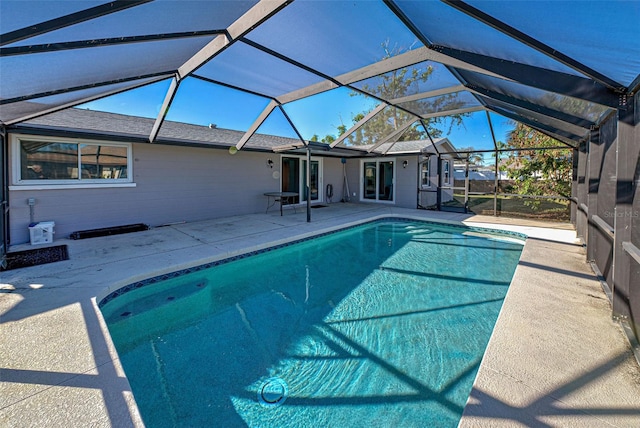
(383, 324)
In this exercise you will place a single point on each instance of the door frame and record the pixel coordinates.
(302, 177)
(377, 199)
(4, 197)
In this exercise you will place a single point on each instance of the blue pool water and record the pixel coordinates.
(379, 325)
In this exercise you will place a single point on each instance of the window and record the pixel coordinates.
(425, 173)
(48, 161)
(446, 172)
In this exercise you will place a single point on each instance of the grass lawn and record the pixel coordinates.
(547, 209)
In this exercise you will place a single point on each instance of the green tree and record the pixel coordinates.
(394, 85)
(475, 159)
(328, 139)
(540, 171)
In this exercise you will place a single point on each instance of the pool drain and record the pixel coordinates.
(273, 392)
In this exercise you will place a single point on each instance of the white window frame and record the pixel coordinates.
(19, 184)
(301, 178)
(429, 181)
(378, 161)
(446, 172)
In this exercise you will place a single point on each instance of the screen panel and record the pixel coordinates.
(415, 79)
(441, 103)
(24, 75)
(445, 26)
(335, 37)
(377, 128)
(15, 15)
(573, 106)
(244, 66)
(158, 17)
(330, 113)
(14, 111)
(597, 34)
(204, 103)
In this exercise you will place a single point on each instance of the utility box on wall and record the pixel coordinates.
(42, 232)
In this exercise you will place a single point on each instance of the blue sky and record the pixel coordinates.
(203, 103)
(335, 52)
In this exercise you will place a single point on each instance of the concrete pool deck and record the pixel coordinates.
(556, 357)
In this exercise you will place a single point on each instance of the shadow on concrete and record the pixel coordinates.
(485, 406)
(560, 271)
(113, 386)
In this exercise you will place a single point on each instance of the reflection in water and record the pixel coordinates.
(391, 335)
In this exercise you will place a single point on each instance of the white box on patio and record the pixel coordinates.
(42, 232)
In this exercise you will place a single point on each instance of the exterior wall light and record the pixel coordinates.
(405, 163)
(269, 163)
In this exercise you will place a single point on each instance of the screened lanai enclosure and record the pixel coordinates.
(345, 90)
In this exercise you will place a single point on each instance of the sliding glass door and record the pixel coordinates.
(378, 180)
(291, 176)
(294, 178)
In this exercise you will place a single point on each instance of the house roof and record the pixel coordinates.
(442, 145)
(83, 122)
(559, 66)
(105, 125)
